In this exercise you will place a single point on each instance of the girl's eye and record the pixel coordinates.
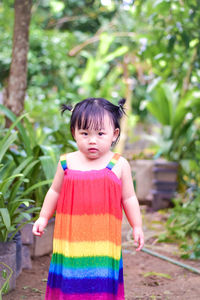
(84, 133)
(101, 133)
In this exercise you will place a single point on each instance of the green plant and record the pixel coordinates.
(16, 207)
(175, 118)
(6, 277)
(183, 225)
(98, 68)
(42, 146)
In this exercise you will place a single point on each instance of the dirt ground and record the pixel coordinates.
(146, 277)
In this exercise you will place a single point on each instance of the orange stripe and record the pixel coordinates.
(116, 157)
(75, 228)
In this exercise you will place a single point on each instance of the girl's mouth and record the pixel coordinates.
(93, 149)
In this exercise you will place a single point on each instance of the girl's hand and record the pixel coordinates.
(39, 225)
(138, 236)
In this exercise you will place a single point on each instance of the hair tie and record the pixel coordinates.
(121, 106)
(65, 107)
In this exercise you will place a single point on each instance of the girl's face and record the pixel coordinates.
(95, 143)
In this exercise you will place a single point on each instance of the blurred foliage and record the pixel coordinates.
(183, 225)
(82, 15)
(31, 144)
(178, 118)
(16, 207)
(171, 38)
(161, 37)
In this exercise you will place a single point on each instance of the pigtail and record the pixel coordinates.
(65, 107)
(121, 108)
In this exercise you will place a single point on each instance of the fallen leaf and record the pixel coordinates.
(157, 274)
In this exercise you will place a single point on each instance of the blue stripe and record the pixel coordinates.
(121, 263)
(84, 272)
(86, 285)
(110, 165)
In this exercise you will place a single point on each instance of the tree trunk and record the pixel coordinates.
(14, 93)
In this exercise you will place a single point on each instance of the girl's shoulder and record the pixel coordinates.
(123, 170)
(123, 162)
(69, 155)
(121, 167)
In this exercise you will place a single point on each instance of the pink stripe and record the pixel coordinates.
(56, 294)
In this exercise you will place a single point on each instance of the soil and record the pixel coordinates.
(146, 277)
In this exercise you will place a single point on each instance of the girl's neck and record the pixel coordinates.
(94, 160)
(79, 159)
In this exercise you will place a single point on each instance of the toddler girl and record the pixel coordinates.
(89, 189)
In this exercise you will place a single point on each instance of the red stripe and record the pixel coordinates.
(87, 194)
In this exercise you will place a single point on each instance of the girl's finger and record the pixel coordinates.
(141, 244)
(136, 239)
(36, 230)
(41, 228)
(37, 233)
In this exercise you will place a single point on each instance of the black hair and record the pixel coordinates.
(89, 113)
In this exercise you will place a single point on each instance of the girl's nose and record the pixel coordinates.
(92, 140)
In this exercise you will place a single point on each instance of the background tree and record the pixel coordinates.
(14, 92)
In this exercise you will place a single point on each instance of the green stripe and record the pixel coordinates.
(85, 262)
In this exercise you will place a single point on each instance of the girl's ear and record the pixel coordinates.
(73, 134)
(116, 134)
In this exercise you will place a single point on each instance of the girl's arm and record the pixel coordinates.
(50, 202)
(131, 205)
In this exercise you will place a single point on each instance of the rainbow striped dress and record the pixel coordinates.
(87, 258)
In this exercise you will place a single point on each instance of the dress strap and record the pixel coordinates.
(113, 161)
(63, 161)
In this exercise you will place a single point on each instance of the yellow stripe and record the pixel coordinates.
(63, 157)
(81, 249)
(113, 161)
